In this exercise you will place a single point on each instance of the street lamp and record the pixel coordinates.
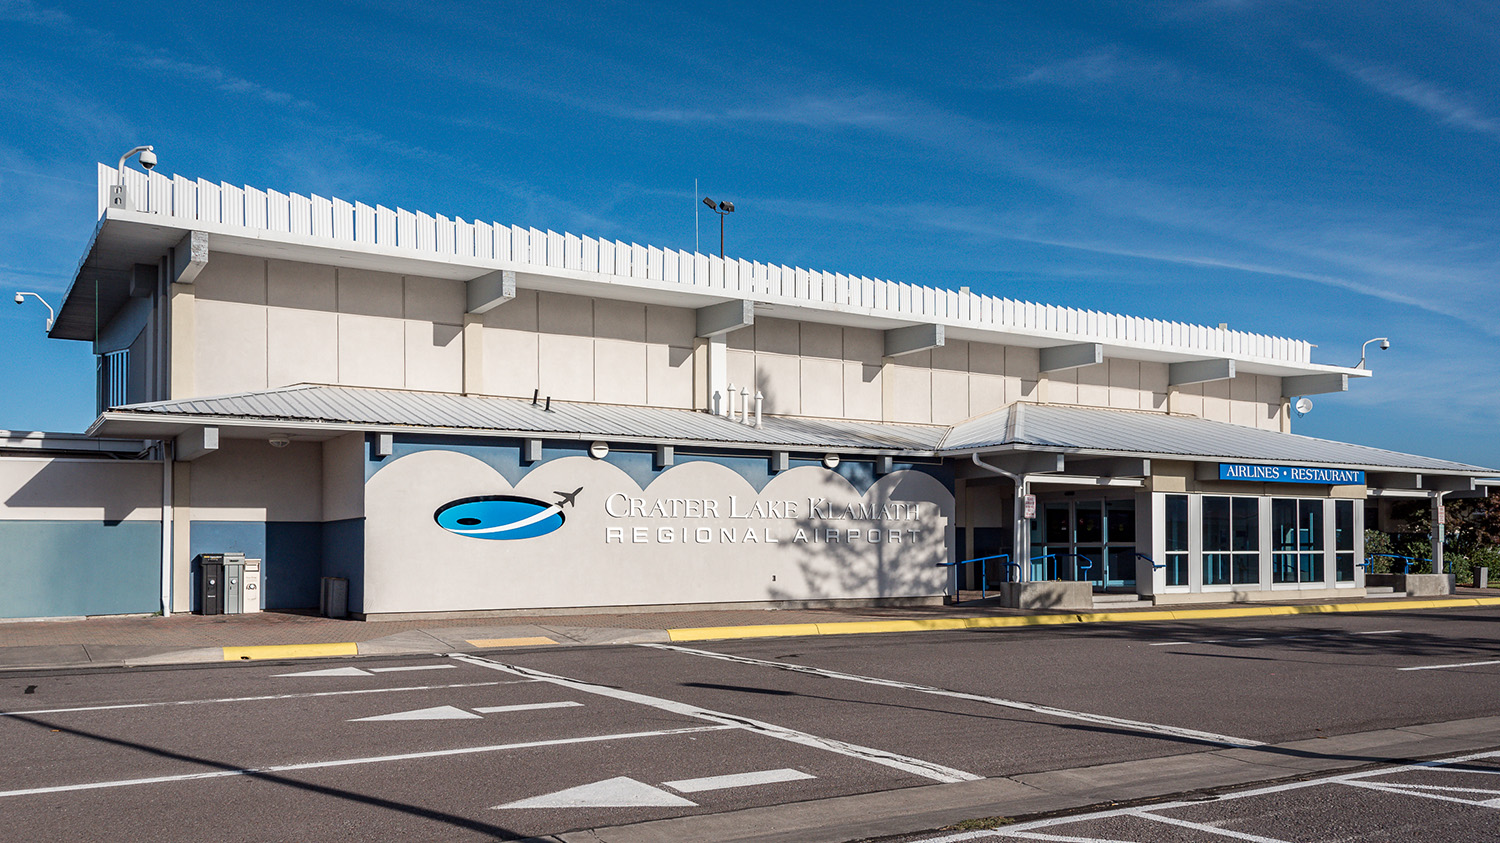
(723, 209)
(21, 297)
(1384, 344)
(118, 197)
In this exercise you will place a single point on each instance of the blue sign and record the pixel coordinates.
(503, 516)
(1291, 474)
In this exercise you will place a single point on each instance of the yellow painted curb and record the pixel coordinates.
(766, 631)
(919, 625)
(290, 651)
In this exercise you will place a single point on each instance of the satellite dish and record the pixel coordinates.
(1303, 406)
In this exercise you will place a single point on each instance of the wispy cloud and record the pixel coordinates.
(1451, 108)
(1110, 64)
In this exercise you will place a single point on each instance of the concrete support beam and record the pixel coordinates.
(666, 456)
(1441, 483)
(1016, 462)
(488, 292)
(1060, 357)
(1313, 384)
(913, 338)
(1199, 371)
(143, 280)
(195, 443)
(188, 258)
(1111, 467)
(718, 319)
(1393, 480)
(385, 444)
(884, 465)
(531, 451)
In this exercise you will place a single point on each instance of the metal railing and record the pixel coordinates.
(213, 206)
(983, 573)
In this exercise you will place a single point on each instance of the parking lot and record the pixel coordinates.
(543, 741)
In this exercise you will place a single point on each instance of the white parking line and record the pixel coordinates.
(1446, 666)
(1208, 829)
(737, 780)
(1030, 830)
(263, 698)
(413, 667)
(349, 762)
(906, 764)
(499, 709)
(1050, 711)
(356, 761)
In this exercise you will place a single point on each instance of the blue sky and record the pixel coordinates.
(1326, 173)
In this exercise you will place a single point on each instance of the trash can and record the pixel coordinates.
(250, 589)
(333, 599)
(234, 583)
(210, 583)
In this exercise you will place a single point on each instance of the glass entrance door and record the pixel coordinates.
(1085, 540)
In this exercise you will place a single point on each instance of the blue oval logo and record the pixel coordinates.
(503, 517)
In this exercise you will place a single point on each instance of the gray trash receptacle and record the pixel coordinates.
(333, 598)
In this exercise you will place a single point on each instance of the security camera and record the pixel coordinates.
(148, 158)
(20, 298)
(1385, 344)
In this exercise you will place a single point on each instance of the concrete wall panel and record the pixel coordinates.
(620, 370)
(248, 480)
(302, 346)
(434, 357)
(366, 293)
(301, 286)
(229, 347)
(372, 351)
(232, 278)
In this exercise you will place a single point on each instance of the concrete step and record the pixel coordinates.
(1112, 599)
(1373, 590)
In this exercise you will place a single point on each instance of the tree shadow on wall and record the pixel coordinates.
(857, 557)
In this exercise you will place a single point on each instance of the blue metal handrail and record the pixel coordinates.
(1043, 558)
(1077, 568)
(1155, 566)
(1410, 560)
(983, 572)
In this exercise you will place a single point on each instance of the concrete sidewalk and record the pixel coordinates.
(183, 639)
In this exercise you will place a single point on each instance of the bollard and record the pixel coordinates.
(1481, 577)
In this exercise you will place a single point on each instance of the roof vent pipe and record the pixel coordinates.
(744, 405)
(759, 400)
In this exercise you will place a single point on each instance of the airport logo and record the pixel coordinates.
(504, 516)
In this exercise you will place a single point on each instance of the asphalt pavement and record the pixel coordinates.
(830, 737)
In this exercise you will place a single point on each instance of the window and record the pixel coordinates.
(1177, 540)
(1343, 541)
(1297, 540)
(1231, 541)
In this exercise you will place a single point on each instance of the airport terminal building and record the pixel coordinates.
(463, 417)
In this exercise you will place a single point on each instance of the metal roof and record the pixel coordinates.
(1053, 427)
(1045, 427)
(446, 411)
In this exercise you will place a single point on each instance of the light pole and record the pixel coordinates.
(723, 209)
(51, 315)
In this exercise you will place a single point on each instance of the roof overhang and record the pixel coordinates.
(124, 239)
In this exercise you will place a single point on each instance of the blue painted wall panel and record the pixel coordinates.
(344, 556)
(63, 568)
(291, 554)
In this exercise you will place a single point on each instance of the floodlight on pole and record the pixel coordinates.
(51, 314)
(723, 209)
